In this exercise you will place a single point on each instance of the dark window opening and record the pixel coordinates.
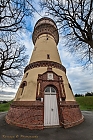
(22, 90)
(26, 75)
(48, 56)
(47, 89)
(47, 36)
(24, 83)
(34, 48)
(50, 89)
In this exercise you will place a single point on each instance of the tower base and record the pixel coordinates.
(70, 114)
(30, 114)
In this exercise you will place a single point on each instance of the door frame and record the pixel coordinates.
(56, 95)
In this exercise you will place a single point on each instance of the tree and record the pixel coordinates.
(13, 17)
(13, 14)
(75, 21)
(79, 95)
(12, 60)
(88, 94)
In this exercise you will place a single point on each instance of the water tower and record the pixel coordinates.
(44, 97)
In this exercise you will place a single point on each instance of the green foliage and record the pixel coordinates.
(89, 94)
(86, 94)
(85, 103)
(5, 106)
(79, 95)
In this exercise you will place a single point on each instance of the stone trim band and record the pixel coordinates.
(72, 104)
(45, 29)
(26, 104)
(45, 64)
(45, 19)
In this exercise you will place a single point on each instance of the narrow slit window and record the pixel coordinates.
(34, 48)
(26, 75)
(48, 56)
(22, 86)
(22, 90)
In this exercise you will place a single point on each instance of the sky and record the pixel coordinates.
(80, 79)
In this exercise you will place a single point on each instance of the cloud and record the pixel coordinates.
(8, 93)
(81, 80)
(25, 38)
(5, 95)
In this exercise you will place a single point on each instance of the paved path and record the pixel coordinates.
(83, 131)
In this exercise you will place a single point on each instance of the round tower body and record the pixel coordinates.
(45, 91)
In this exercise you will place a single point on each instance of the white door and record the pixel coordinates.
(50, 107)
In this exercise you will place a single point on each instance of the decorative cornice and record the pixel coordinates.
(26, 103)
(45, 28)
(44, 20)
(69, 104)
(45, 64)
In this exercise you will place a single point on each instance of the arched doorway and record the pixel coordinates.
(51, 116)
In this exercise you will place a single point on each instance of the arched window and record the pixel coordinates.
(24, 83)
(50, 90)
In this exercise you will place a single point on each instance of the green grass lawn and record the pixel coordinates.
(85, 103)
(5, 106)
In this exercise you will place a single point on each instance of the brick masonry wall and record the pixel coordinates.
(26, 114)
(30, 114)
(70, 114)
